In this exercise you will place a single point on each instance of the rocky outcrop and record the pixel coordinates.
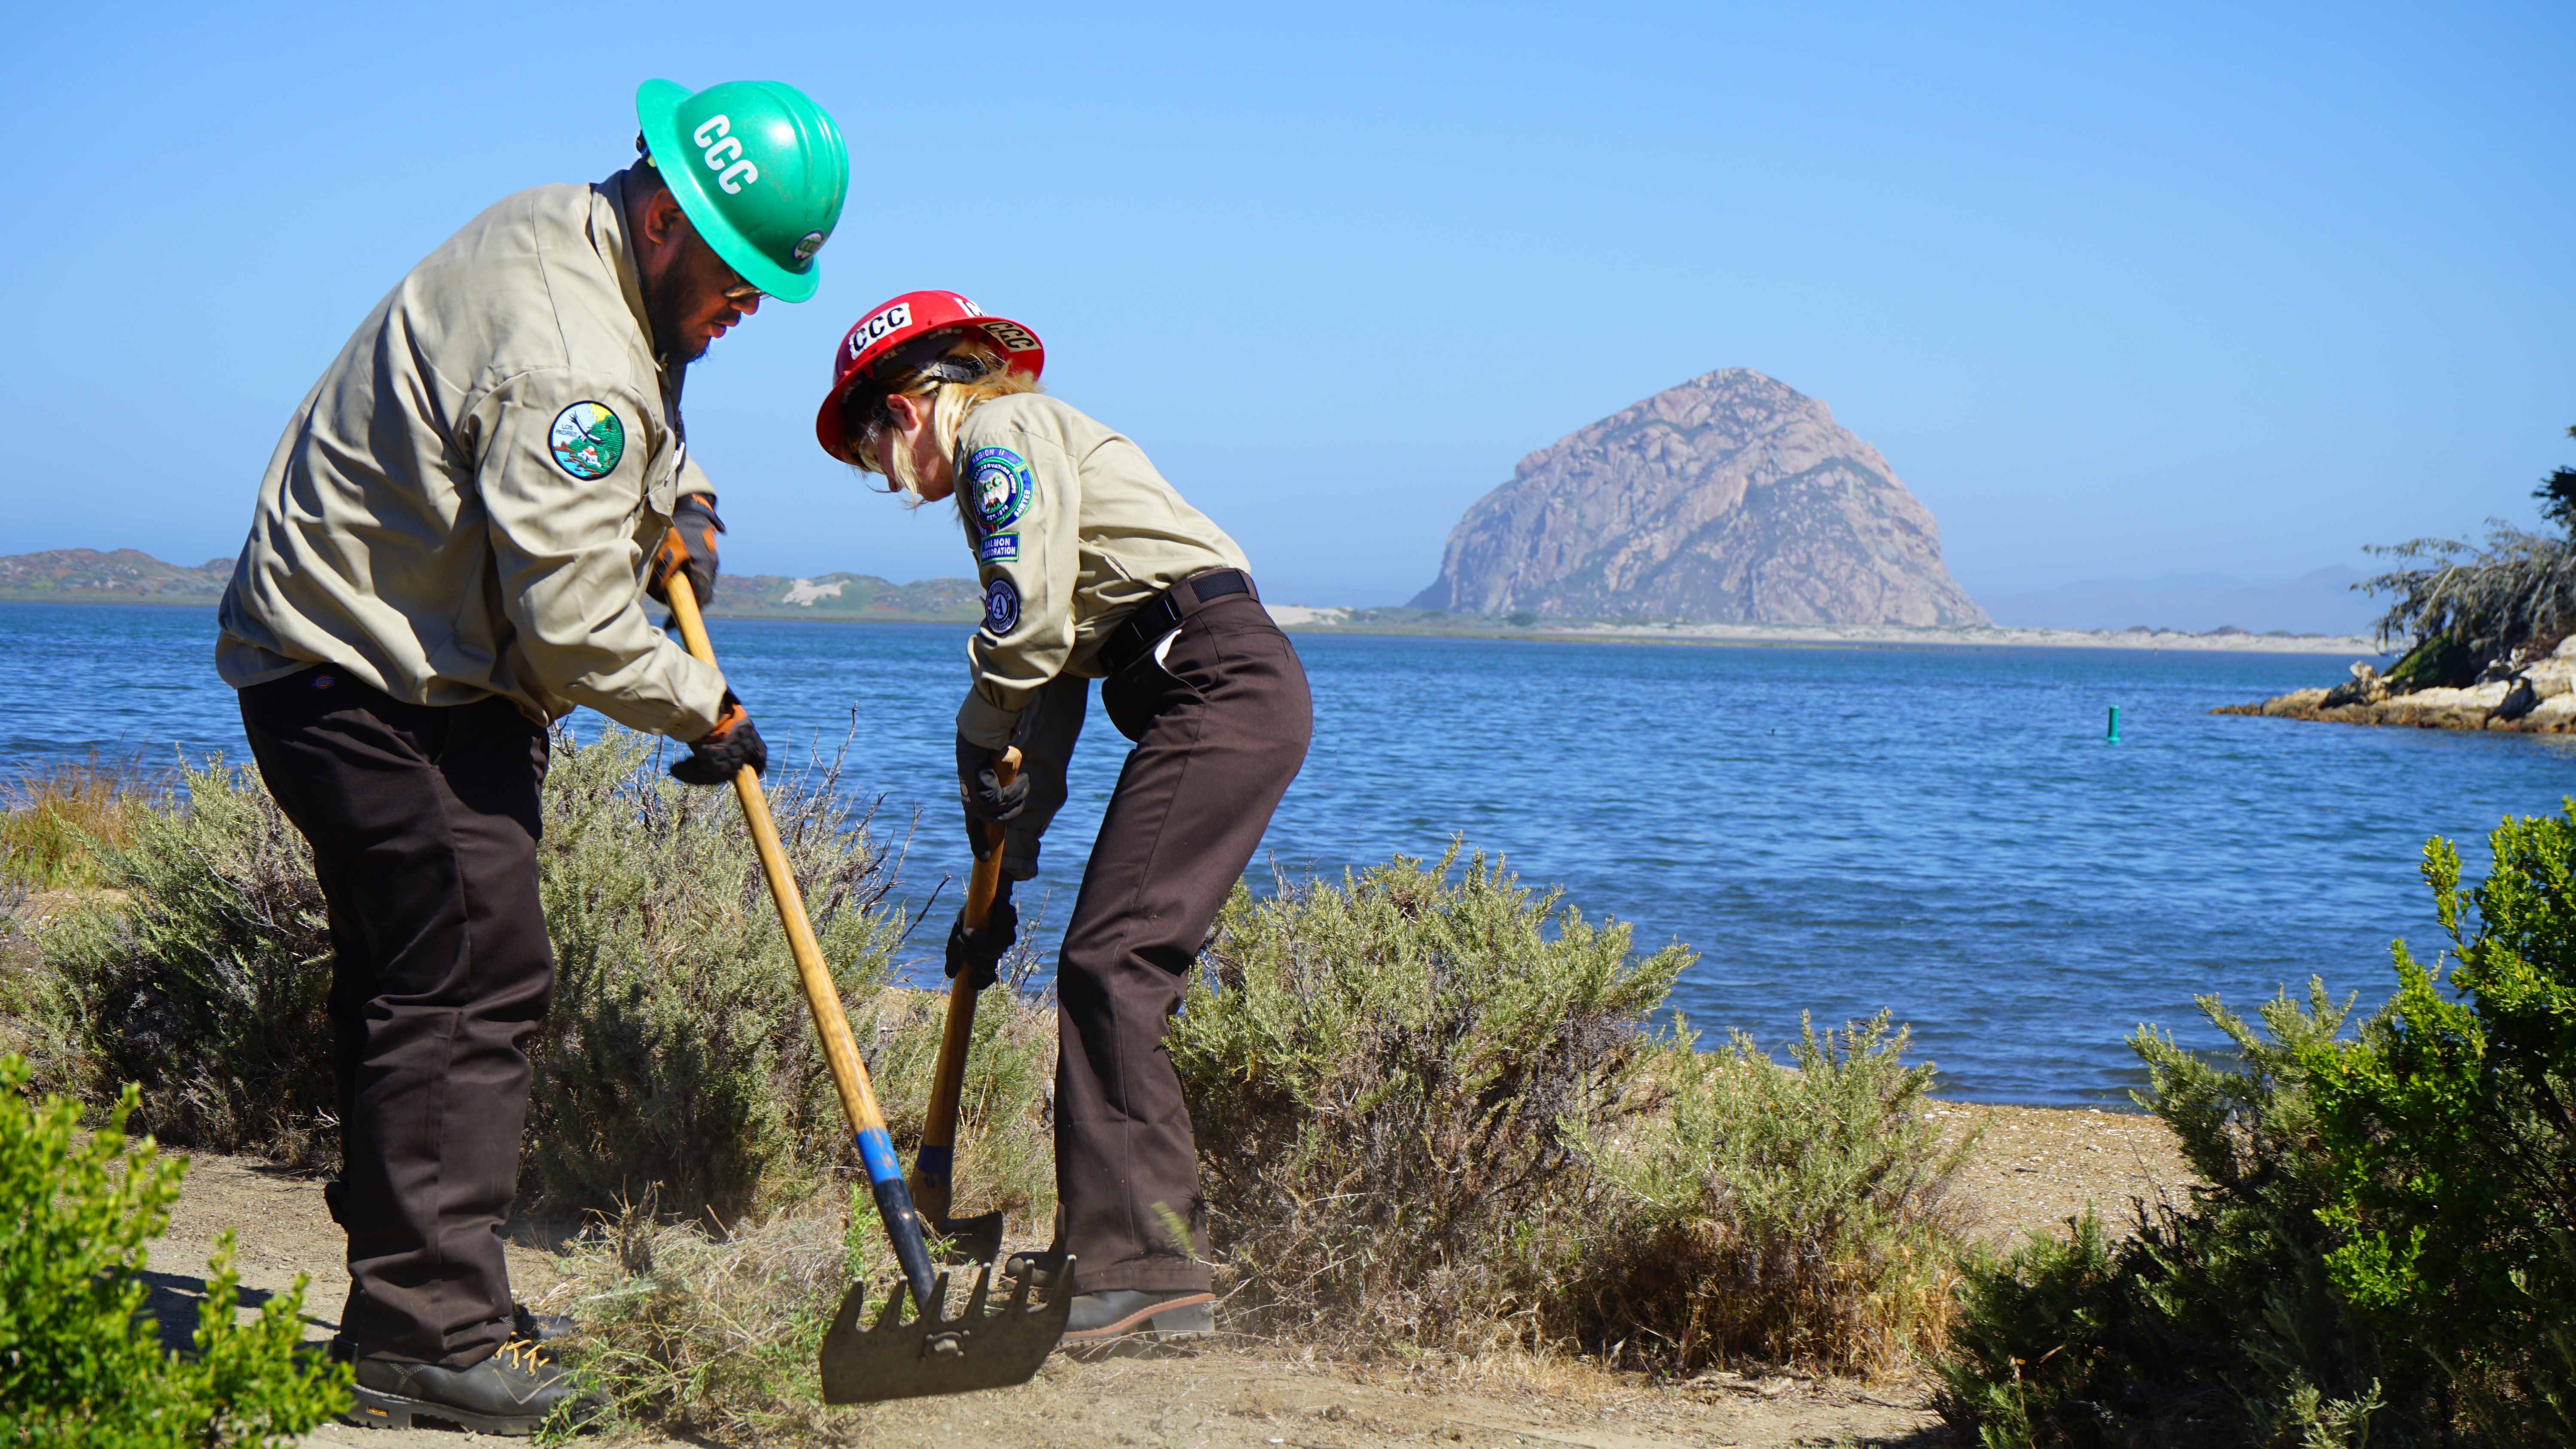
(2534, 698)
(1732, 498)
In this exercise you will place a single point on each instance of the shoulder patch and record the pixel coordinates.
(587, 439)
(1000, 487)
(999, 548)
(1002, 607)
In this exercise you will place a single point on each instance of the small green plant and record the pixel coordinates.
(80, 1364)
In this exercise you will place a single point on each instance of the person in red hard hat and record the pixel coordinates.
(1092, 567)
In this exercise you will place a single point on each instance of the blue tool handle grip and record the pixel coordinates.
(903, 1225)
(934, 1164)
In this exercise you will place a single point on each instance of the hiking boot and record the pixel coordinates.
(510, 1393)
(1128, 1312)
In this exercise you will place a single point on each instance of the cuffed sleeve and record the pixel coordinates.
(561, 476)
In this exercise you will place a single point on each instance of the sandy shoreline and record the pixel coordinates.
(1307, 619)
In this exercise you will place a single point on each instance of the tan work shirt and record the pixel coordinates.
(1072, 528)
(465, 503)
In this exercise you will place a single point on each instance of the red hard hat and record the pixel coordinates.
(906, 319)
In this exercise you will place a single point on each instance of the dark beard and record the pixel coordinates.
(661, 313)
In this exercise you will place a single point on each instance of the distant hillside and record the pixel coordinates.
(846, 596)
(130, 576)
(1732, 498)
(2323, 602)
(127, 576)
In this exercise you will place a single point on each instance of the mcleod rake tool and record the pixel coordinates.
(933, 1354)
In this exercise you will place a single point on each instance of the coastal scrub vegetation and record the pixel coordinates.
(2381, 1253)
(1440, 1111)
(672, 1061)
(80, 1362)
(2469, 608)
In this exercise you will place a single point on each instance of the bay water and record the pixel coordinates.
(1944, 833)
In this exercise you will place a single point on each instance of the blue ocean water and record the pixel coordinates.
(1940, 832)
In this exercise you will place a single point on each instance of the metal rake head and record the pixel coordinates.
(984, 1347)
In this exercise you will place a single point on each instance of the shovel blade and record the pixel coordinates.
(983, 1347)
(971, 1240)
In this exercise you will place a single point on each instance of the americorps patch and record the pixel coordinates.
(587, 439)
(1003, 486)
(1002, 607)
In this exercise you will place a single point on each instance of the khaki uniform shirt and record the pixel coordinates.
(1072, 528)
(465, 503)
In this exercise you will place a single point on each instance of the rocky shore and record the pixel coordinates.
(2538, 697)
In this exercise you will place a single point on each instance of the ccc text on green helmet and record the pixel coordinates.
(759, 168)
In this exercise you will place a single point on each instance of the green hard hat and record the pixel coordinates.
(758, 167)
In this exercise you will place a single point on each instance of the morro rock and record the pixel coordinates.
(1731, 498)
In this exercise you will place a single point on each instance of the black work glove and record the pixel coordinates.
(688, 547)
(719, 755)
(980, 953)
(979, 784)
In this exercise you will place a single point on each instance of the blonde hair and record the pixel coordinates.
(863, 412)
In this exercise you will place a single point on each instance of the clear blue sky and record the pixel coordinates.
(2217, 289)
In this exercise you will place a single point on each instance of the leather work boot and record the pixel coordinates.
(1128, 1312)
(510, 1393)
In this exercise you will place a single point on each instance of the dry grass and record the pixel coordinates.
(53, 816)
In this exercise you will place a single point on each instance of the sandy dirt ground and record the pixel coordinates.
(2034, 1168)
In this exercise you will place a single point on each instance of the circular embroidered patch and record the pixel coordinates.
(1001, 607)
(588, 440)
(1001, 486)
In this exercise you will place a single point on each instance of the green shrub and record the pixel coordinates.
(1389, 1078)
(1784, 1213)
(79, 1363)
(2452, 1129)
(2382, 1251)
(2217, 1322)
(52, 817)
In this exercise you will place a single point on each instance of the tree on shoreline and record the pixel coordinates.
(2468, 610)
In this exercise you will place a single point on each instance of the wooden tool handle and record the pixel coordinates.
(931, 1170)
(822, 997)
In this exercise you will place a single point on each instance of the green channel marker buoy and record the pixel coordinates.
(2114, 736)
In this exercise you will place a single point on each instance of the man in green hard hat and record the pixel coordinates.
(451, 549)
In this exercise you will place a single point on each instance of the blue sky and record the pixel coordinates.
(2120, 294)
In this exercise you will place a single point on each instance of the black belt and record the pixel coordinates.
(1160, 615)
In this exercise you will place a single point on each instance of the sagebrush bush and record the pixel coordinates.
(679, 1053)
(202, 975)
(1793, 1213)
(1388, 1077)
(80, 1365)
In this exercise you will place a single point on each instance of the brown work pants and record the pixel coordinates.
(1221, 722)
(424, 825)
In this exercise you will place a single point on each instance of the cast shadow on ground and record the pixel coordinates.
(176, 1297)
